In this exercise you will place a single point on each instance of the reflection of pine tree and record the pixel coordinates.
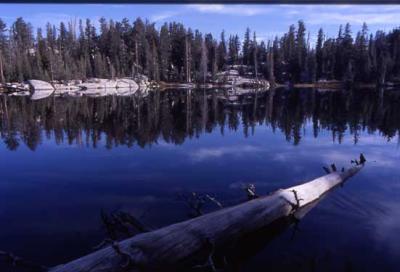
(177, 115)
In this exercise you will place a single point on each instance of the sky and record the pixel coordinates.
(266, 20)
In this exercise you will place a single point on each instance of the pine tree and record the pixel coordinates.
(320, 54)
(301, 52)
(165, 52)
(222, 52)
(246, 56)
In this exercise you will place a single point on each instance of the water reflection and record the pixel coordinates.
(53, 196)
(175, 115)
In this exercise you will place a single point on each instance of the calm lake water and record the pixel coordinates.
(65, 159)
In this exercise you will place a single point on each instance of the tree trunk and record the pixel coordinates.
(255, 60)
(203, 62)
(2, 79)
(187, 60)
(136, 55)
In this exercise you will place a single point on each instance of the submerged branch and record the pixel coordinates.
(15, 261)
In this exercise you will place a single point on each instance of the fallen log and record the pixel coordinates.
(235, 255)
(192, 242)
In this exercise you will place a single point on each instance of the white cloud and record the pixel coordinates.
(238, 10)
(235, 10)
(387, 227)
(41, 19)
(210, 153)
(341, 14)
(166, 145)
(355, 18)
(217, 8)
(163, 16)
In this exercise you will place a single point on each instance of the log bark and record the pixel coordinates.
(191, 242)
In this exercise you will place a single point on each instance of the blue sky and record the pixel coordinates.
(266, 20)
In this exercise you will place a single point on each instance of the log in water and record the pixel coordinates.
(191, 242)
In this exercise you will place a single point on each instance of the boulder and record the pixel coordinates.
(40, 85)
(127, 83)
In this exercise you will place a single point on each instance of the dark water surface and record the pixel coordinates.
(64, 159)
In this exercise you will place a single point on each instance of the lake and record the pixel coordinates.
(64, 160)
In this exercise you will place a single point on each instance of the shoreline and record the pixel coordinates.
(335, 86)
(190, 85)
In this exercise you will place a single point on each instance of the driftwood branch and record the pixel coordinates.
(123, 224)
(192, 242)
(195, 202)
(250, 190)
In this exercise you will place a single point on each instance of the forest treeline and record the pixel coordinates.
(175, 53)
